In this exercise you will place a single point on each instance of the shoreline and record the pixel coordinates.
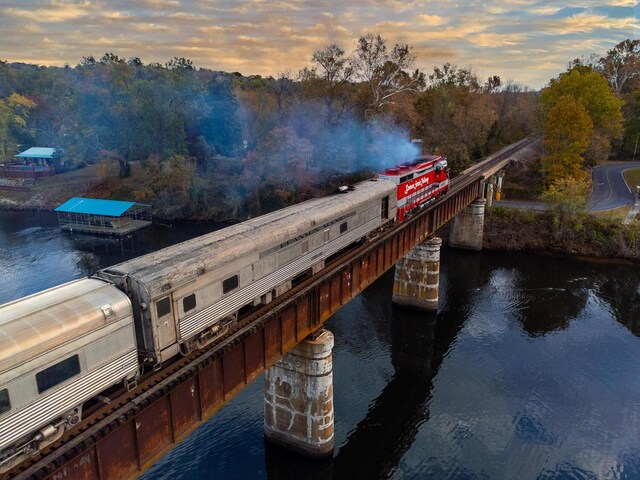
(511, 231)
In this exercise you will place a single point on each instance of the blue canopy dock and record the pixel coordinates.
(106, 217)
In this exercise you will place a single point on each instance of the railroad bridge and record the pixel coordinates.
(285, 337)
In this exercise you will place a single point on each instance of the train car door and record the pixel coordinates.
(165, 323)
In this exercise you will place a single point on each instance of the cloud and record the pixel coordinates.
(547, 10)
(46, 15)
(527, 41)
(432, 20)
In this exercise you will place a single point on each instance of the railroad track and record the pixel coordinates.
(153, 385)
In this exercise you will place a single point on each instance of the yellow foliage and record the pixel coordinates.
(568, 130)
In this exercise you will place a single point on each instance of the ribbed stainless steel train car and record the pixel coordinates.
(59, 348)
(187, 295)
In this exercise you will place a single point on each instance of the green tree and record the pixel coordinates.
(566, 198)
(603, 107)
(14, 112)
(568, 129)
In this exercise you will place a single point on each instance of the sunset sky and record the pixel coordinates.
(528, 42)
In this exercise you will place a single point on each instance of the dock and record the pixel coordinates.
(103, 217)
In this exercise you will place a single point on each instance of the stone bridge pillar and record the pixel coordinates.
(417, 277)
(468, 226)
(298, 398)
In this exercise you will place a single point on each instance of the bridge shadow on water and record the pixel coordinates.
(418, 345)
(375, 447)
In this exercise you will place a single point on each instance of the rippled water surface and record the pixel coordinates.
(531, 369)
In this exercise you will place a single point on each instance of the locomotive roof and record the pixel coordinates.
(35, 324)
(179, 263)
(419, 163)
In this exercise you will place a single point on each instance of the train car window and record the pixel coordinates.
(229, 284)
(163, 307)
(189, 303)
(58, 373)
(305, 246)
(5, 403)
(343, 227)
(406, 178)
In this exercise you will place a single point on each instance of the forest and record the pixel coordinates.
(212, 145)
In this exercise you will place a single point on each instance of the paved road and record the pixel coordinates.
(609, 188)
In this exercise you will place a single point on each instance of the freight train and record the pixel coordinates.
(66, 345)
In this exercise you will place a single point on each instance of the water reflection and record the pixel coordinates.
(418, 344)
(530, 370)
(36, 255)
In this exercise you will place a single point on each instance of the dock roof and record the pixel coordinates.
(38, 152)
(94, 206)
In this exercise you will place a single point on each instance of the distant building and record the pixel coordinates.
(105, 217)
(44, 156)
(36, 162)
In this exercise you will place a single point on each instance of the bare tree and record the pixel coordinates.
(283, 90)
(385, 71)
(336, 71)
(621, 66)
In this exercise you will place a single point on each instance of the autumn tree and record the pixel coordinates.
(14, 112)
(456, 115)
(631, 145)
(516, 109)
(603, 108)
(566, 199)
(568, 128)
(277, 169)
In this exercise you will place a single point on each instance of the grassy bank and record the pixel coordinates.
(632, 177)
(582, 234)
(48, 193)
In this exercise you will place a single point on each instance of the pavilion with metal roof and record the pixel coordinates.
(40, 153)
(33, 163)
(108, 217)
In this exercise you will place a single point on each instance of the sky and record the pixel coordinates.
(528, 42)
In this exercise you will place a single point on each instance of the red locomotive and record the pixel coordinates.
(418, 182)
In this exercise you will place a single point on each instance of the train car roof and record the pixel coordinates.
(179, 263)
(36, 324)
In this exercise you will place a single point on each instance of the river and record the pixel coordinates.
(529, 370)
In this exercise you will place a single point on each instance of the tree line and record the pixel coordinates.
(210, 144)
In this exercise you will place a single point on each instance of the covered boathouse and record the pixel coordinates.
(104, 217)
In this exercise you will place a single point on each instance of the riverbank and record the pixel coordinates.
(582, 235)
(48, 193)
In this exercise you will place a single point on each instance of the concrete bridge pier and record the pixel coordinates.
(499, 181)
(490, 187)
(417, 277)
(468, 227)
(298, 398)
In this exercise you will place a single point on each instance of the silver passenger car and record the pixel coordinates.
(59, 348)
(187, 295)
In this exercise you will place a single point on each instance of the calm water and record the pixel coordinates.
(530, 370)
